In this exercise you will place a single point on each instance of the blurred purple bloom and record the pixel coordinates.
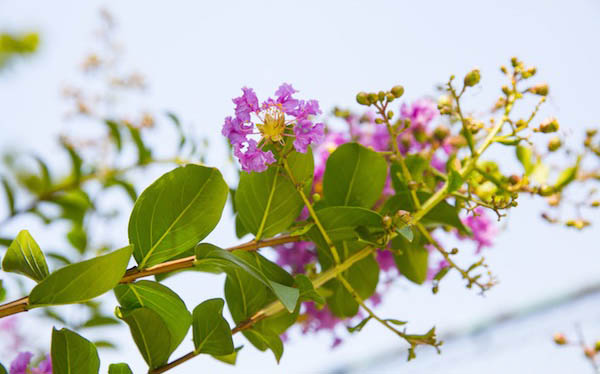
(319, 319)
(245, 104)
(421, 112)
(235, 130)
(330, 143)
(44, 367)
(20, 363)
(385, 259)
(482, 227)
(253, 158)
(296, 255)
(432, 272)
(306, 134)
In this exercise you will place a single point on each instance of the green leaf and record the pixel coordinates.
(81, 281)
(406, 232)
(267, 202)
(25, 257)
(175, 120)
(120, 368)
(99, 321)
(10, 196)
(360, 326)
(268, 338)
(259, 268)
(567, 176)
(144, 153)
(240, 230)
(525, 156)
(150, 334)
(175, 212)
(442, 214)
(230, 358)
(104, 344)
(72, 353)
(115, 133)
(45, 177)
(160, 299)
(77, 237)
(212, 334)
(354, 176)
(3, 370)
(2, 291)
(454, 181)
(303, 167)
(395, 321)
(76, 161)
(126, 186)
(411, 258)
(307, 290)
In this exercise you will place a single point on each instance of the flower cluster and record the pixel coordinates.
(271, 122)
(22, 365)
(434, 143)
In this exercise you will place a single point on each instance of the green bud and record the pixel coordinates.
(514, 62)
(390, 97)
(316, 197)
(529, 73)
(441, 132)
(381, 95)
(378, 121)
(472, 78)
(539, 89)
(591, 132)
(362, 98)
(548, 125)
(554, 144)
(372, 97)
(506, 90)
(435, 289)
(390, 114)
(397, 91)
(597, 346)
(559, 338)
(454, 251)
(387, 221)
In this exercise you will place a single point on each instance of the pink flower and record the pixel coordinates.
(20, 363)
(296, 255)
(245, 104)
(44, 367)
(482, 227)
(253, 158)
(385, 259)
(306, 134)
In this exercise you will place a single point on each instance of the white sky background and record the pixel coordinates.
(197, 55)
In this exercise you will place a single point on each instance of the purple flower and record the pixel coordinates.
(296, 255)
(482, 227)
(20, 363)
(235, 130)
(306, 134)
(245, 104)
(44, 367)
(284, 98)
(386, 260)
(331, 142)
(253, 158)
(421, 112)
(306, 108)
(318, 319)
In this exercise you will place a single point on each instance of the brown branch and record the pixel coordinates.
(22, 304)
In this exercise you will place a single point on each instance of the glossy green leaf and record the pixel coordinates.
(121, 368)
(72, 353)
(82, 281)
(442, 214)
(269, 340)
(307, 290)
(24, 256)
(354, 176)
(150, 334)
(267, 202)
(100, 321)
(230, 358)
(406, 232)
(160, 299)
(566, 176)
(259, 268)
(212, 334)
(411, 258)
(175, 212)
(302, 166)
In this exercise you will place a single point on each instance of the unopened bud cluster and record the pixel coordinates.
(371, 98)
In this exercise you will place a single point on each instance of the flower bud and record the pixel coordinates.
(514, 62)
(378, 121)
(390, 114)
(397, 91)
(589, 352)
(595, 204)
(390, 97)
(316, 197)
(554, 144)
(579, 224)
(362, 98)
(454, 251)
(597, 346)
(441, 132)
(539, 89)
(387, 221)
(591, 132)
(506, 90)
(529, 72)
(560, 339)
(372, 97)
(381, 95)
(548, 125)
(472, 78)
(504, 69)
(514, 179)
(402, 216)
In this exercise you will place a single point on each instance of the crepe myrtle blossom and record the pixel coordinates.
(256, 126)
(482, 227)
(21, 363)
